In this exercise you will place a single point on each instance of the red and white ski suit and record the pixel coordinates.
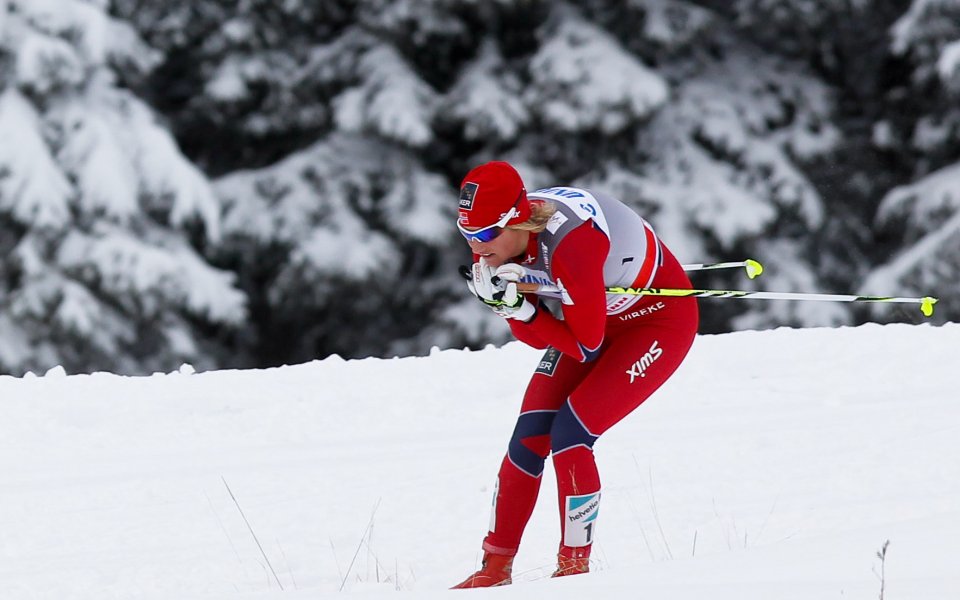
(606, 354)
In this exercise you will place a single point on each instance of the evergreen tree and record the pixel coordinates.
(337, 244)
(657, 101)
(96, 205)
(923, 215)
(706, 145)
(339, 131)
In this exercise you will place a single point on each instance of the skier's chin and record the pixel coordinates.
(492, 260)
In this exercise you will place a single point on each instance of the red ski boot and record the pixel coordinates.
(572, 561)
(494, 571)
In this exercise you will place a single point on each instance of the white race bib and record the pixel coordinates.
(580, 520)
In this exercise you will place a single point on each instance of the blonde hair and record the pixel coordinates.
(540, 213)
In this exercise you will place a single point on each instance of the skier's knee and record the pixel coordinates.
(530, 443)
(568, 431)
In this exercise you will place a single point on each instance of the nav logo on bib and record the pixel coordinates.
(639, 368)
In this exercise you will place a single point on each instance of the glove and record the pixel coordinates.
(497, 289)
(506, 278)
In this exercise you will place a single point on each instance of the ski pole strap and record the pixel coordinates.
(926, 303)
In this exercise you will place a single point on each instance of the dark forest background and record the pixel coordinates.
(260, 182)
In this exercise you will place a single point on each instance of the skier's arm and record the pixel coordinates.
(526, 334)
(578, 265)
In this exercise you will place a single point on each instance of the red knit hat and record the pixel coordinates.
(487, 194)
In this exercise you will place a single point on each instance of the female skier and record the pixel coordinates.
(606, 353)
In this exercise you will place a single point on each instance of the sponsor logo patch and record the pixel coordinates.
(545, 255)
(639, 368)
(467, 193)
(556, 221)
(548, 364)
(643, 312)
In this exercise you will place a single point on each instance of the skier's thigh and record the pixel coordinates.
(556, 377)
(635, 365)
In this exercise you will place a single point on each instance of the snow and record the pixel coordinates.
(318, 199)
(948, 64)
(420, 19)
(931, 133)
(169, 180)
(927, 211)
(774, 464)
(924, 203)
(151, 276)
(229, 83)
(95, 34)
(574, 95)
(392, 100)
(35, 190)
(672, 23)
(45, 63)
(909, 29)
(486, 99)
(93, 156)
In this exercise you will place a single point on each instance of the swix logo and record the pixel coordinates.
(643, 311)
(545, 254)
(639, 368)
(585, 511)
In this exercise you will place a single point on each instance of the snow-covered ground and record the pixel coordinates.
(775, 465)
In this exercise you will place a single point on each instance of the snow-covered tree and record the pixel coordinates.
(720, 176)
(708, 145)
(245, 83)
(928, 214)
(929, 32)
(96, 206)
(322, 118)
(353, 226)
(923, 215)
(748, 128)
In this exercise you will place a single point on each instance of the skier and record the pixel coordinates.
(605, 355)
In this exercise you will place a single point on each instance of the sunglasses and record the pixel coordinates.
(490, 232)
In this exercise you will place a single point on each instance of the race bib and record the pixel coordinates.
(580, 520)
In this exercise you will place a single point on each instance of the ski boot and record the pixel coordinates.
(494, 571)
(572, 561)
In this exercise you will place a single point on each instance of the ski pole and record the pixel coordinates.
(753, 267)
(926, 303)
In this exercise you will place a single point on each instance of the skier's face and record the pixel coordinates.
(510, 243)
